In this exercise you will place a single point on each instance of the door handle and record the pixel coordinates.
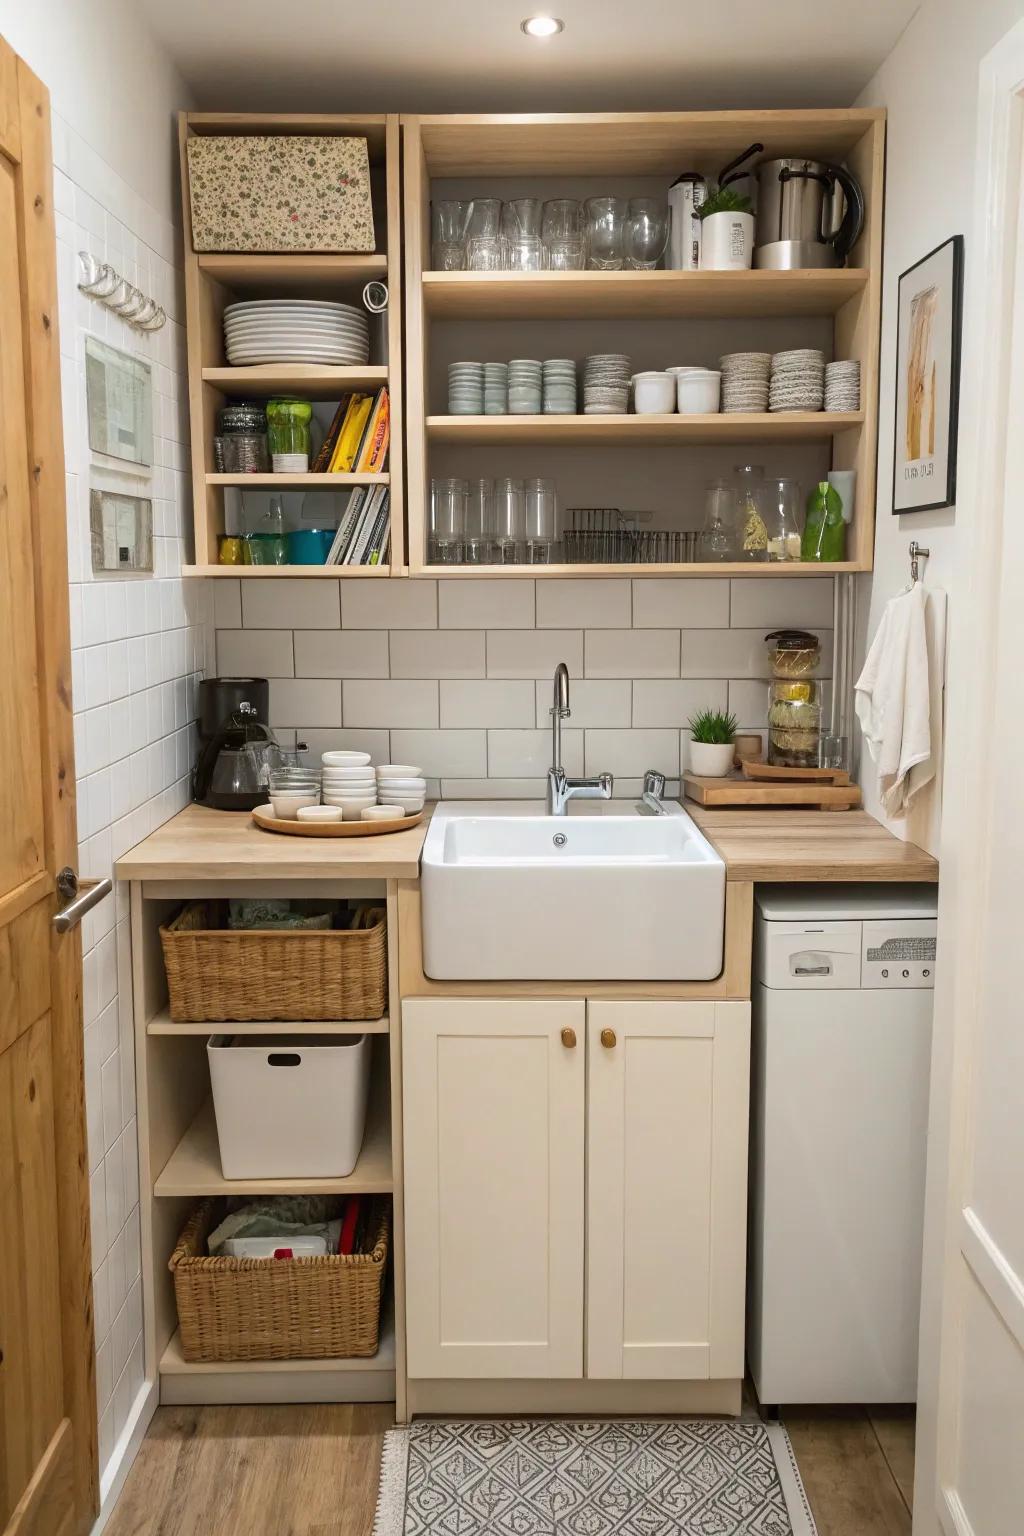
(78, 900)
(608, 1039)
(569, 1039)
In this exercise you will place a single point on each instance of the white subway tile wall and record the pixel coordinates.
(455, 675)
(139, 645)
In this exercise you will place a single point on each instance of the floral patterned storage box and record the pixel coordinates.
(280, 193)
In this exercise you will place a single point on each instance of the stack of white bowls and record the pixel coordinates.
(559, 386)
(698, 391)
(495, 389)
(798, 380)
(745, 381)
(349, 783)
(525, 386)
(402, 784)
(842, 386)
(465, 389)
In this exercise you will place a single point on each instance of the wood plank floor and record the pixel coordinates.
(312, 1471)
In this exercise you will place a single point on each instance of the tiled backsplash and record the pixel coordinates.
(455, 674)
(138, 644)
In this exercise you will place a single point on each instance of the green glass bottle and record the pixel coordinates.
(824, 536)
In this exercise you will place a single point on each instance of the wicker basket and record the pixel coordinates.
(277, 1309)
(217, 974)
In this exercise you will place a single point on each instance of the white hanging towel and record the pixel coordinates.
(899, 696)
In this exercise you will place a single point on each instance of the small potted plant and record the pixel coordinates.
(713, 744)
(726, 231)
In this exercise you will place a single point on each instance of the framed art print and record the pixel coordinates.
(928, 380)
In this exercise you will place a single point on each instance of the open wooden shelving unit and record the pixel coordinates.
(213, 281)
(553, 155)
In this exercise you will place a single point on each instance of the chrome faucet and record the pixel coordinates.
(654, 792)
(562, 789)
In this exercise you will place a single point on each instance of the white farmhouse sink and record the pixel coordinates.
(603, 894)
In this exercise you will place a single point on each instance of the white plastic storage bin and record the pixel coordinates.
(293, 1108)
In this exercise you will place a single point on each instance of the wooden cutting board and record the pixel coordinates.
(738, 790)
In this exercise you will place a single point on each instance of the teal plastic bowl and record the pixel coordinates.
(310, 546)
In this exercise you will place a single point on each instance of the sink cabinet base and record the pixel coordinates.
(616, 1398)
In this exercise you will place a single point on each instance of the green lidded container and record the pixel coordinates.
(824, 536)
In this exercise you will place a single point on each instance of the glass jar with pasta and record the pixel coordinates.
(794, 708)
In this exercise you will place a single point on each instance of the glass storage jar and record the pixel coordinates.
(794, 708)
(751, 511)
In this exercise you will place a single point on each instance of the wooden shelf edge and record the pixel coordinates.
(173, 1363)
(193, 1169)
(732, 426)
(163, 1024)
(301, 572)
(298, 482)
(780, 568)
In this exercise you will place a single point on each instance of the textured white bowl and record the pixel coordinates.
(346, 759)
(403, 786)
(398, 771)
(411, 804)
(347, 776)
(320, 813)
(364, 797)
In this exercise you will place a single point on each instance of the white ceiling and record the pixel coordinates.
(470, 55)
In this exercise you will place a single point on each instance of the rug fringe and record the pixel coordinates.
(793, 1489)
(389, 1516)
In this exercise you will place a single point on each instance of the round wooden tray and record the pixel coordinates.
(264, 817)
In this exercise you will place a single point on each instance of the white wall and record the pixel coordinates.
(929, 87)
(138, 643)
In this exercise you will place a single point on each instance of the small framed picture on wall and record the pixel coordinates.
(928, 380)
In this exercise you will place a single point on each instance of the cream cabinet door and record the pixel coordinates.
(494, 1187)
(666, 1189)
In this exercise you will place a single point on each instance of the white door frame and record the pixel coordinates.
(954, 1235)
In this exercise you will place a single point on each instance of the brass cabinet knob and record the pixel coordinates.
(569, 1039)
(608, 1039)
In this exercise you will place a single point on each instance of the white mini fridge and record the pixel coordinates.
(842, 1007)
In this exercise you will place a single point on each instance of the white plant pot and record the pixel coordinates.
(727, 242)
(711, 759)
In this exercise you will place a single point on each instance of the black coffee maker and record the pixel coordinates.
(231, 770)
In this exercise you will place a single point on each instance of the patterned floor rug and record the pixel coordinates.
(570, 1477)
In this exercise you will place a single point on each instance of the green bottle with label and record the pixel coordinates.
(824, 536)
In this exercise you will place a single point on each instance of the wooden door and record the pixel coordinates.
(48, 1479)
(493, 1114)
(666, 1189)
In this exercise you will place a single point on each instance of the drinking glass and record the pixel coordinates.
(541, 513)
(562, 232)
(484, 245)
(448, 220)
(479, 523)
(605, 219)
(718, 537)
(448, 499)
(509, 521)
(783, 519)
(520, 229)
(645, 232)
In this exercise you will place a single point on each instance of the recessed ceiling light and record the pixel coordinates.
(542, 26)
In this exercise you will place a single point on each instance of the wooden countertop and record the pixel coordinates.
(810, 845)
(200, 844)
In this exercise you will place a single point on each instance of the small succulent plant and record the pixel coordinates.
(725, 200)
(713, 727)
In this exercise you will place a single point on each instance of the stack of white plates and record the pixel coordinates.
(296, 331)
(524, 386)
(348, 782)
(745, 381)
(402, 784)
(559, 381)
(606, 378)
(465, 389)
(798, 380)
(842, 386)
